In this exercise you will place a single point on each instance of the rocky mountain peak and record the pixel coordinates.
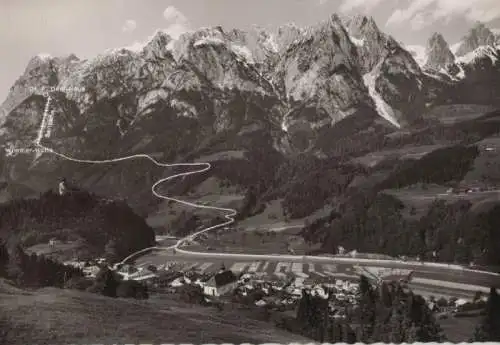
(360, 24)
(160, 37)
(209, 32)
(333, 25)
(370, 42)
(158, 46)
(288, 34)
(438, 52)
(335, 19)
(332, 69)
(478, 35)
(38, 61)
(437, 39)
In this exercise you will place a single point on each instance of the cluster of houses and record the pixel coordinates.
(90, 268)
(471, 187)
(257, 288)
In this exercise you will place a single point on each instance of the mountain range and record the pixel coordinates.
(258, 103)
(439, 56)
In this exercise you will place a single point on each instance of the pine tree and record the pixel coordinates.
(385, 296)
(367, 307)
(396, 334)
(335, 332)
(106, 282)
(4, 259)
(348, 335)
(428, 329)
(16, 264)
(489, 329)
(364, 285)
(111, 251)
(302, 310)
(411, 334)
(31, 271)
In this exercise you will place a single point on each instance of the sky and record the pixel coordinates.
(89, 27)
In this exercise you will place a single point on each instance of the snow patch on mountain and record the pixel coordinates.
(171, 45)
(419, 54)
(478, 53)
(44, 56)
(271, 44)
(243, 52)
(138, 47)
(208, 41)
(135, 47)
(305, 86)
(382, 107)
(184, 109)
(461, 74)
(454, 48)
(284, 123)
(119, 126)
(150, 98)
(358, 42)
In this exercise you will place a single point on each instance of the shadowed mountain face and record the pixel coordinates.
(478, 36)
(438, 52)
(330, 91)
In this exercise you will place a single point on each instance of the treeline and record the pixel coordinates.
(82, 218)
(307, 183)
(465, 132)
(434, 132)
(108, 283)
(33, 271)
(359, 134)
(258, 168)
(313, 321)
(350, 136)
(442, 166)
(36, 271)
(392, 314)
(381, 224)
(388, 314)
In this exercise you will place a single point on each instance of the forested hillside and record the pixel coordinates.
(95, 226)
(449, 232)
(33, 271)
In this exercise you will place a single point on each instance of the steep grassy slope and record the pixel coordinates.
(69, 317)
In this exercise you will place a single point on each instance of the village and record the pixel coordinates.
(263, 290)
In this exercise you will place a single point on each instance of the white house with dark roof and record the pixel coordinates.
(220, 284)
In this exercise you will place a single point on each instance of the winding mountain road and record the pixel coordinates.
(436, 276)
(230, 213)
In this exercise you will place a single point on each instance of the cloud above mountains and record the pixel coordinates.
(350, 6)
(177, 22)
(423, 13)
(129, 26)
(420, 14)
